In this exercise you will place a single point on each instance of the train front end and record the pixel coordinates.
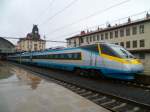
(118, 62)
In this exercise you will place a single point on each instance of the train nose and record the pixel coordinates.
(137, 68)
(134, 66)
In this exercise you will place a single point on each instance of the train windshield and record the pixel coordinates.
(115, 50)
(92, 48)
(122, 52)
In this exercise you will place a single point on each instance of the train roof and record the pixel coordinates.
(56, 50)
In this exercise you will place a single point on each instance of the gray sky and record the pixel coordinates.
(18, 16)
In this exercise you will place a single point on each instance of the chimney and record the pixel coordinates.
(147, 15)
(87, 30)
(82, 32)
(129, 20)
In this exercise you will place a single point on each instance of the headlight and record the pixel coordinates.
(133, 61)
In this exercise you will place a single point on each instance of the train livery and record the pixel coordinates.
(109, 60)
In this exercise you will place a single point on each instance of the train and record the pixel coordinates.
(102, 58)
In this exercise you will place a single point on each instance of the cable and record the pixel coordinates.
(44, 11)
(57, 13)
(67, 35)
(89, 16)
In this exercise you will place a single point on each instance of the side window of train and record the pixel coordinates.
(105, 49)
(92, 48)
(50, 56)
(70, 56)
(77, 56)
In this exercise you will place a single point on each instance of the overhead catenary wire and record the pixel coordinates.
(89, 16)
(45, 10)
(57, 13)
(73, 33)
(96, 26)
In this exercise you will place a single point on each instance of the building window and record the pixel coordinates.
(134, 30)
(69, 41)
(127, 31)
(116, 33)
(128, 44)
(87, 39)
(106, 35)
(141, 29)
(121, 32)
(35, 47)
(142, 55)
(111, 35)
(142, 43)
(93, 37)
(74, 43)
(135, 44)
(122, 44)
(81, 40)
(90, 38)
(102, 36)
(97, 37)
(68, 56)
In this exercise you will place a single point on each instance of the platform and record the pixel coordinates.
(22, 91)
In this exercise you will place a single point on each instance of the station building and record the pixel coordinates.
(132, 35)
(6, 48)
(32, 42)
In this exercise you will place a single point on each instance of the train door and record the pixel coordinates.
(93, 59)
(94, 54)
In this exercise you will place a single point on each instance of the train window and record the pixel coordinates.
(65, 56)
(61, 56)
(56, 56)
(70, 55)
(75, 56)
(92, 48)
(78, 56)
(105, 49)
(49, 56)
(40, 56)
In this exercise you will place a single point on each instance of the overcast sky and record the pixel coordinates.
(18, 16)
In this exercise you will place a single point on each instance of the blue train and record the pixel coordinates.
(108, 60)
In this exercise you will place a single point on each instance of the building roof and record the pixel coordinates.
(34, 35)
(6, 42)
(109, 28)
(6, 46)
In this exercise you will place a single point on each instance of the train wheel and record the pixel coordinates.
(94, 73)
(77, 71)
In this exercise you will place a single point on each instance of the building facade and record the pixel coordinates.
(132, 35)
(32, 42)
(6, 48)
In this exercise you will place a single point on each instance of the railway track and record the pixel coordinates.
(109, 101)
(136, 84)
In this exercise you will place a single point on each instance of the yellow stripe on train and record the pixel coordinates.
(121, 60)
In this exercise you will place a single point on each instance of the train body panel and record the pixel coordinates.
(92, 57)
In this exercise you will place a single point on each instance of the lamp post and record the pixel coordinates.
(30, 50)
